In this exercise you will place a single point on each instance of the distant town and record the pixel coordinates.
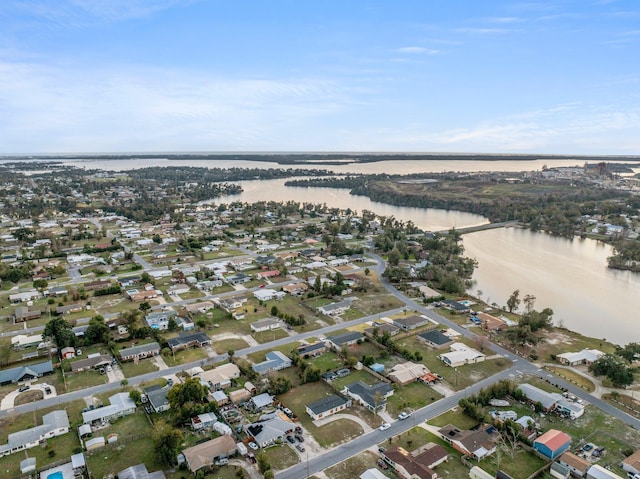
(149, 331)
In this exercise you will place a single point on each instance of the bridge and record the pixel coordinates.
(472, 229)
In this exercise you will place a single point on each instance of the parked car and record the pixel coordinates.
(253, 446)
(300, 447)
(403, 415)
(23, 388)
(382, 464)
(222, 462)
(109, 368)
(291, 439)
(299, 438)
(47, 390)
(385, 426)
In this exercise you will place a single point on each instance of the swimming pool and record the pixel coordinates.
(56, 475)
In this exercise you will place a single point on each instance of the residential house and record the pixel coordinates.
(596, 471)
(22, 341)
(335, 309)
(373, 474)
(120, 405)
(275, 360)
(455, 306)
(220, 377)
(372, 397)
(296, 289)
(418, 464)
(410, 323)
(312, 350)
(408, 372)
(261, 401)
(270, 428)
(53, 424)
(436, 339)
(219, 397)
(232, 303)
(139, 471)
(25, 373)
(427, 292)
(140, 352)
(69, 309)
(586, 356)
(24, 313)
(238, 278)
(460, 355)
(631, 464)
(552, 443)
(268, 294)
(477, 443)
(339, 341)
(157, 398)
(207, 453)
(200, 307)
(93, 362)
(184, 341)
(203, 421)
(266, 324)
(489, 322)
(142, 296)
(327, 406)
(381, 327)
(576, 465)
(97, 285)
(552, 401)
(129, 281)
(273, 273)
(24, 296)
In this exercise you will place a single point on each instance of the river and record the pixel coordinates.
(568, 276)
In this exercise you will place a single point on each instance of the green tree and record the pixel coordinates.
(60, 330)
(40, 284)
(135, 396)
(513, 303)
(144, 306)
(189, 391)
(97, 332)
(394, 257)
(166, 441)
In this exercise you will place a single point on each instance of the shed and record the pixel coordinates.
(28, 465)
(552, 443)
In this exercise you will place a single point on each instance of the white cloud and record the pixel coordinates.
(49, 109)
(417, 50)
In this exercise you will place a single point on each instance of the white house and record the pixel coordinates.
(53, 424)
(268, 294)
(460, 355)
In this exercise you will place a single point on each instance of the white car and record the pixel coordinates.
(253, 446)
(403, 415)
(385, 426)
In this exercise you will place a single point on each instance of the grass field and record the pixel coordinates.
(411, 397)
(352, 467)
(281, 456)
(573, 377)
(130, 369)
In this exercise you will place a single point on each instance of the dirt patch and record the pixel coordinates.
(27, 397)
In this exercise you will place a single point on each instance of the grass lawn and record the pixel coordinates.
(573, 377)
(268, 336)
(355, 375)
(327, 362)
(522, 464)
(281, 456)
(411, 397)
(352, 467)
(560, 340)
(369, 304)
(225, 345)
(114, 459)
(28, 396)
(84, 380)
(130, 369)
(456, 417)
(185, 356)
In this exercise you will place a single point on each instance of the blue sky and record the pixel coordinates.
(325, 75)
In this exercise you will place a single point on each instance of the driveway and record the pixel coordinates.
(115, 374)
(9, 399)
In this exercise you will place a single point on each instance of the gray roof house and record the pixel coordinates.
(53, 424)
(120, 405)
(274, 362)
(140, 472)
(140, 352)
(327, 406)
(261, 401)
(270, 428)
(335, 309)
(184, 341)
(373, 397)
(410, 322)
(344, 339)
(25, 373)
(435, 339)
(157, 397)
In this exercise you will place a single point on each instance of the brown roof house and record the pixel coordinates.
(577, 465)
(418, 464)
(207, 453)
(478, 443)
